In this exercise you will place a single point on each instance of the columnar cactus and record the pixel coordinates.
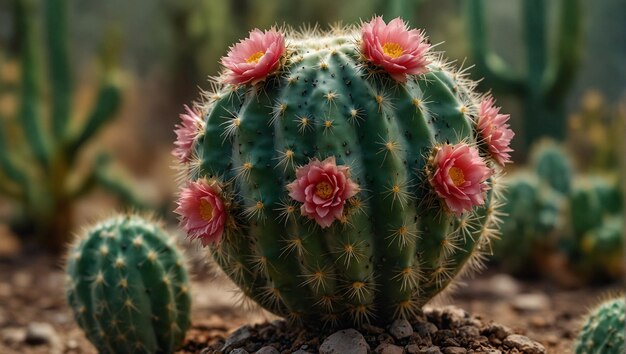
(603, 331)
(40, 144)
(342, 177)
(128, 287)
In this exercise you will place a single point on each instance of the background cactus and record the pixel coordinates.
(548, 77)
(396, 245)
(128, 287)
(551, 209)
(603, 331)
(39, 151)
(536, 216)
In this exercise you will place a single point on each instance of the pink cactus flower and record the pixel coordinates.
(495, 131)
(398, 50)
(323, 188)
(254, 58)
(186, 132)
(459, 176)
(202, 211)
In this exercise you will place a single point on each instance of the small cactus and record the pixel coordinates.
(342, 181)
(602, 249)
(128, 287)
(603, 330)
(536, 215)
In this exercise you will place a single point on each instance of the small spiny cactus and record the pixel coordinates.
(128, 287)
(603, 331)
(342, 177)
(553, 166)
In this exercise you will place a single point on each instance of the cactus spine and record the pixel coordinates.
(395, 245)
(36, 174)
(548, 79)
(603, 331)
(128, 287)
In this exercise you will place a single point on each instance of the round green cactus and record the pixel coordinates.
(128, 287)
(603, 331)
(602, 249)
(388, 232)
(553, 166)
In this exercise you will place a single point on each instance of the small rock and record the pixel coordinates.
(386, 348)
(239, 351)
(425, 329)
(531, 302)
(41, 333)
(400, 329)
(498, 330)
(238, 337)
(267, 350)
(469, 331)
(11, 336)
(430, 350)
(454, 350)
(347, 341)
(503, 286)
(300, 351)
(524, 344)
(454, 315)
(412, 348)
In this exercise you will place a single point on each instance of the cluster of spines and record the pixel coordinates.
(331, 123)
(128, 287)
(603, 330)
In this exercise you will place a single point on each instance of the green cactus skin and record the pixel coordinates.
(39, 171)
(536, 215)
(603, 331)
(544, 85)
(396, 248)
(553, 166)
(128, 287)
(602, 249)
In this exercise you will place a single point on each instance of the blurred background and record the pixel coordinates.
(90, 92)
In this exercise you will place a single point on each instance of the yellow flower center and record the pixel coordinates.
(254, 58)
(323, 190)
(206, 210)
(457, 176)
(393, 50)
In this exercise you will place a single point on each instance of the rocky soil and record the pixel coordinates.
(505, 313)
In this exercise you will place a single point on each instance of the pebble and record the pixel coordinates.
(237, 338)
(524, 344)
(267, 350)
(425, 329)
(41, 333)
(300, 351)
(239, 351)
(412, 348)
(347, 341)
(455, 315)
(400, 329)
(386, 348)
(430, 350)
(503, 286)
(11, 336)
(498, 330)
(531, 302)
(454, 350)
(469, 331)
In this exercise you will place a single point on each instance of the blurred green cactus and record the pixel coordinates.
(536, 215)
(603, 330)
(548, 78)
(553, 165)
(128, 287)
(39, 149)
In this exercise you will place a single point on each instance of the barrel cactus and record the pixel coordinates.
(342, 177)
(553, 165)
(128, 287)
(603, 330)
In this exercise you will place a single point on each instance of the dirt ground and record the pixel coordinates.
(32, 302)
